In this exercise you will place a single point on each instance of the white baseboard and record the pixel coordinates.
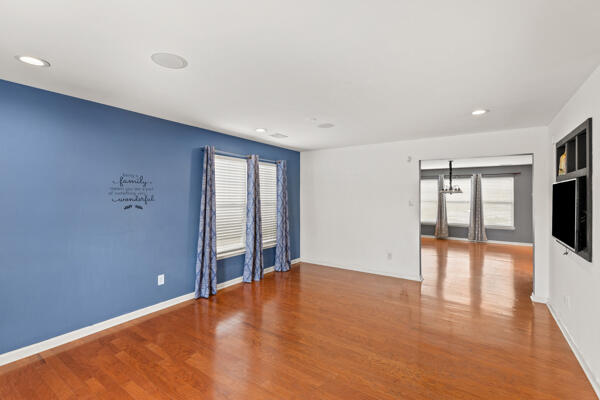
(35, 348)
(537, 299)
(48, 344)
(365, 270)
(489, 241)
(586, 369)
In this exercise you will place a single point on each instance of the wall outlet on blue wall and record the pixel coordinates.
(161, 279)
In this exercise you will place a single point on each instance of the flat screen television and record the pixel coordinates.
(564, 212)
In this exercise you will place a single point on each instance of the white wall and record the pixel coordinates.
(360, 203)
(571, 275)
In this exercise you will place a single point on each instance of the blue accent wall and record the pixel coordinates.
(69, 256)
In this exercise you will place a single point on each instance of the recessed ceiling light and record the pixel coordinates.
(278, 135)
(480, 111)
(326, 125)
(261, 130)
(38, 62)
(168, 60)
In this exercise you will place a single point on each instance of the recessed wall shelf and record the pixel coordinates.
(577, 148)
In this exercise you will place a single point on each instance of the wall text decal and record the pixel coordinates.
(134, 190)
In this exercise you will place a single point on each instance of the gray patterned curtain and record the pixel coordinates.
(282, 250)
(476, 225)
(441, 223)
(206, 256)
(253, 263)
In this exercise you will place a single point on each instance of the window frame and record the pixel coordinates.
(466, 225)
(502, 227)
(272, 243)
(239, 251)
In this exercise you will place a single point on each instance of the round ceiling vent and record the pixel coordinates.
(168, 60)
(326, 125)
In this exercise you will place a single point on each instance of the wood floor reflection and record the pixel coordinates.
(469, 331)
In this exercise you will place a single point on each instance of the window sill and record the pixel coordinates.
(230, 253)
(450, 225)
(237, 252)
(495, 227)
(501, 228)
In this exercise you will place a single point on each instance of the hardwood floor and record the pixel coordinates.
(469, 331)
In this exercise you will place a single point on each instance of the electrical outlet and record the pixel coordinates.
(389, 255)
(161, 280)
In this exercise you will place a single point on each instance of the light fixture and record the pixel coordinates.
(450, 189)
(480, 111)
(38, 62)
(261, 130)
(168, 60)
(278, 135)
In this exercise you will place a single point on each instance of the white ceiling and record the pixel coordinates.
(378, 70)
(525, 159)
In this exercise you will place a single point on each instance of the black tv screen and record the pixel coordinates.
(563, 212)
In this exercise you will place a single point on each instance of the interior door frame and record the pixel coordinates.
(532, 213)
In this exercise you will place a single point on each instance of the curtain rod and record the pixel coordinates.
(468, 176)
(226, 153)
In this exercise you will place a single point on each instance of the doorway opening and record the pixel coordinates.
(477, 233)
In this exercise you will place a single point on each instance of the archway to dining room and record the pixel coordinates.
(476, 231)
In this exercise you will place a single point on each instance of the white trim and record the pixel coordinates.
(230, 253)
(48, 344)
(536, 299)
(240, 251)
(501, 227)
(489, 241)
(451, 225)
(35, 348)
(586, 369)
(270, 245)
(492, 227)
(365, 270)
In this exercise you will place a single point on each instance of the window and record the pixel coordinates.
(457, 205)
(498, 202)
(268, 203)
(498, 194)
(230, 187)
(429, 199)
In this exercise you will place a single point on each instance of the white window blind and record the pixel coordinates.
(498, 194)
(268, 202)
(429, 200)
(458, 206)
(230, 187)
(498, 202)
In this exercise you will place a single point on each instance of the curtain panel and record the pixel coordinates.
(476, 225)
(206, 256)
(253, 262)
(282, 249)
(441, 223)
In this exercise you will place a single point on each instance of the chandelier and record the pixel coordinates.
(451, 189)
